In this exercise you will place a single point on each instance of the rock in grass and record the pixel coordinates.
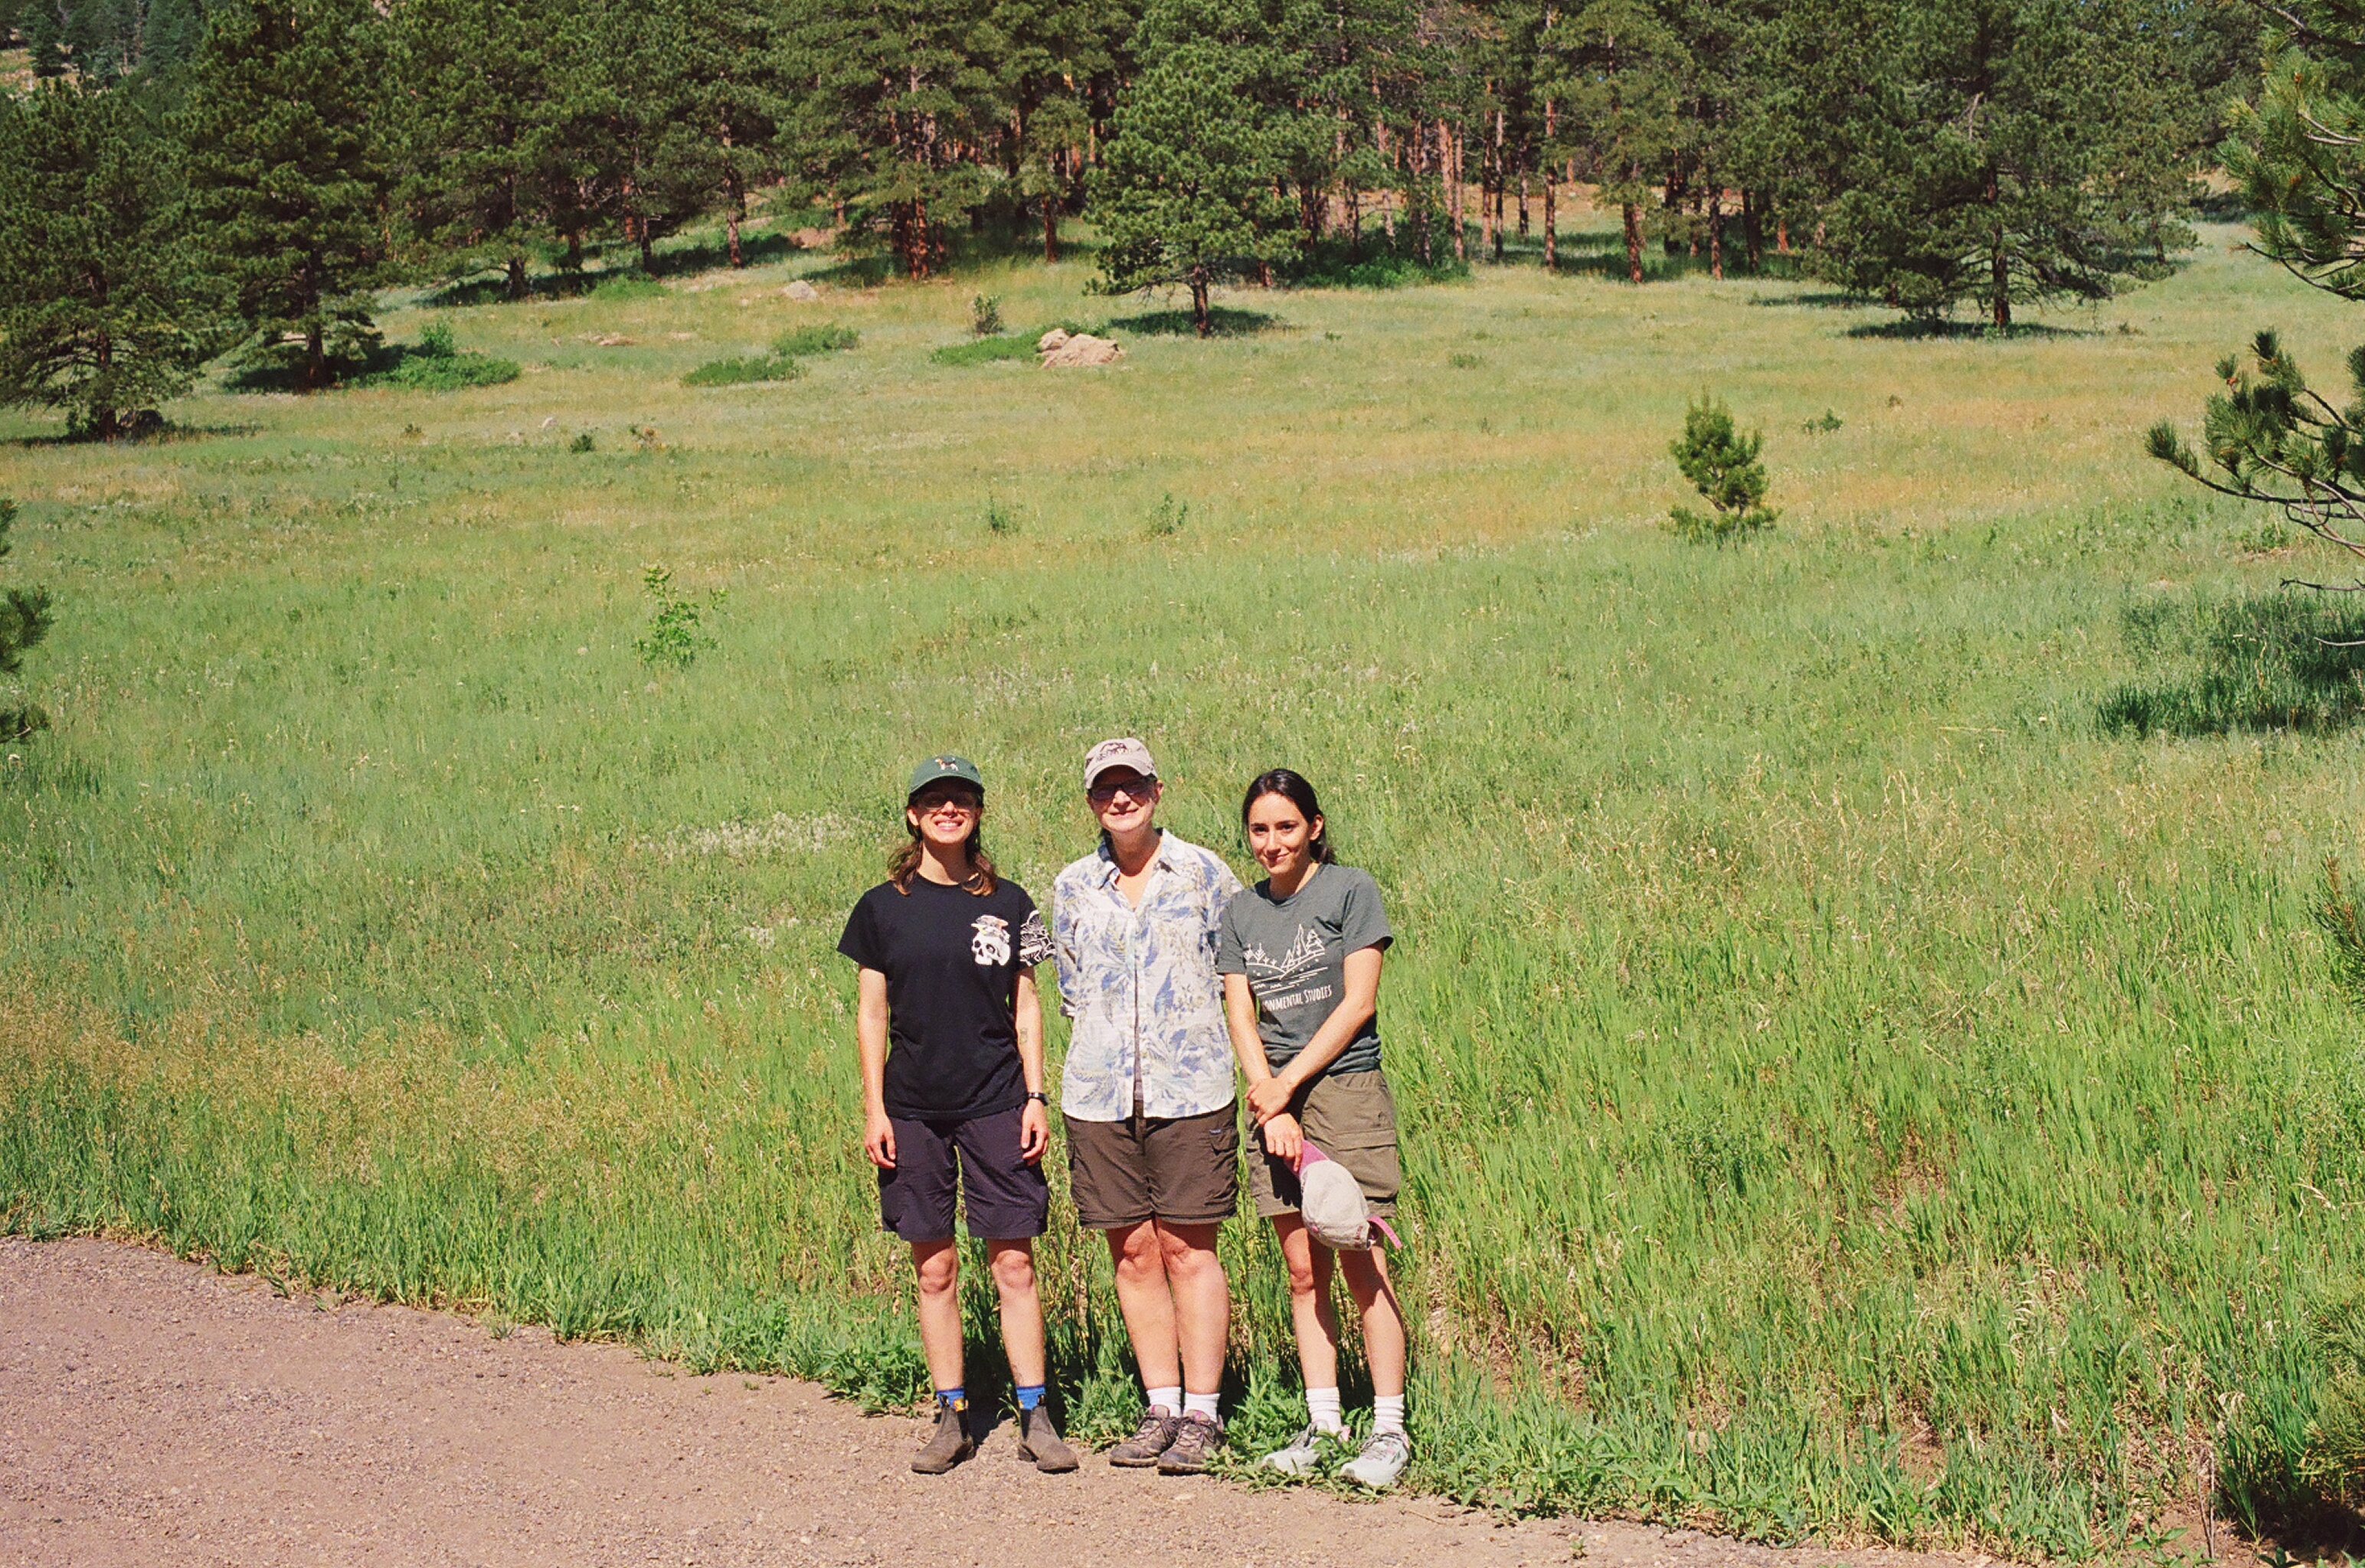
(1082, 349)
(801, 289)
(1051, 339)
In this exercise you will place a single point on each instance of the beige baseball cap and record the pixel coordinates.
(1123, 751)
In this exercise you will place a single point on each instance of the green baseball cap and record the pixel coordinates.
(947, 766)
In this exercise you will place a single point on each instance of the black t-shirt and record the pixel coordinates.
(951, 959)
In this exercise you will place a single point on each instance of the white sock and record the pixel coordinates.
(1388, 1413)
(1322, 1409)
(1168, 1399)
(1199, 1404)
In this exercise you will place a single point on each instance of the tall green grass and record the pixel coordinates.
(1846, 1090)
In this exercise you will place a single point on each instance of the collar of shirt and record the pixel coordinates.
(1161, 860)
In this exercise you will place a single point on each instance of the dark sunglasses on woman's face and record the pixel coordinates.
(1133, 789)
(949, 798)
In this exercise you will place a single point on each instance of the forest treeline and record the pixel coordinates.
(257, 167)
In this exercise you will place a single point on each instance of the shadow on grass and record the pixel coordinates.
(1916, 328)
(1222, 323)
(2292, 659)
(145, 429)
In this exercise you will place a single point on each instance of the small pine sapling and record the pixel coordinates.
(985, 316)
(25, 620)
(1723, 463)
(1167, 518)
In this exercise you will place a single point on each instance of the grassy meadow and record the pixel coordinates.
(1847, 1092)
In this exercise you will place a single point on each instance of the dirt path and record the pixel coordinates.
(152, 1413)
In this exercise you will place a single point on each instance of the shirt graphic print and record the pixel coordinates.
(1294, 952)
(1141, 983)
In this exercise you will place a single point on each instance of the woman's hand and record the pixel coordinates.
(1284, 1138)
(1033, 1131)
(879, 1139)
(1269, 1098)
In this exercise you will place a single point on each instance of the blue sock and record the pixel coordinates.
(954, 1395)
(1030, 1394)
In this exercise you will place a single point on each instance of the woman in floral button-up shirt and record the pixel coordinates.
(1153, 1143)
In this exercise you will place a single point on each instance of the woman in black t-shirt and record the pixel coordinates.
(951, 1038)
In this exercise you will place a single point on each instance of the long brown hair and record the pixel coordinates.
(904, 860)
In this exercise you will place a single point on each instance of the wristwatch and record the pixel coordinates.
(1037, 1095)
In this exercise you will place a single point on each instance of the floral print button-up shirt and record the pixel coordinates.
(1142, 986)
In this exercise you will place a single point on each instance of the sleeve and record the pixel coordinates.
(1229, 960)
(1063, 944)
(1363, 922)
(1034, 941)
(861, 942)
(1225, 888)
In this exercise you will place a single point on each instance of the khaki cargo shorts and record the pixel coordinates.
(1351, 1117)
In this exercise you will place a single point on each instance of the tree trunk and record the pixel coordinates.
(1551, 225)
(1782, 235)
(1523, 204)
(1050, 226)
(517, 284)
(1634, 216)
(1753, 229)
(731, 227)
(316, 359)
(1716, 231)
(2002, 275)
(1199, 300)
(1453, 192)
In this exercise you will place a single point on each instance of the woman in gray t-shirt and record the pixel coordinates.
(1300, 954)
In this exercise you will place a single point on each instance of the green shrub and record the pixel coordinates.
(673, 637)
(984, 351)
(582, 442)
(985, 316)
(435, 363)
(628, 285)
(1722, 464)
(1167, 518)
(815, 340)
(739, 372)
(2269, 661)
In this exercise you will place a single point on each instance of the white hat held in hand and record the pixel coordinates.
(1331, 1200)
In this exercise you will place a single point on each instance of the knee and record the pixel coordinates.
(1304, 1281)
(1013, 1269)
(1184, 1262)
(939, 1272)
(1137, 1256)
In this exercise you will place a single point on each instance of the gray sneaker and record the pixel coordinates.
(1196, 1436)
(1382, 1461)
(1152, 1438)
(1303, 1456)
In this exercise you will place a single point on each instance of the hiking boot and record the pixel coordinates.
(1382, 1461)
(1152, 1438)
(1040, 1442)
(1196, 1436)
(1303, 1454)
(949, 1443)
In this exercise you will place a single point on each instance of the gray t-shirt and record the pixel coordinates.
(1294, 952)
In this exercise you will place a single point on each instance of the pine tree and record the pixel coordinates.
(103, 309)
(1981, 164)
(471, 121)
(2300, 159)
(288, 174)
(1615, 82)
(1191, 192)
(890, 105)
(25, 617)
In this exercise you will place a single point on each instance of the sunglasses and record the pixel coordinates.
(1135, 789)
(939, 802)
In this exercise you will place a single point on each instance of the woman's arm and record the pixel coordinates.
(1355, 1009)
(1027, 1019)
(871, 1040)
(1282, 1134)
